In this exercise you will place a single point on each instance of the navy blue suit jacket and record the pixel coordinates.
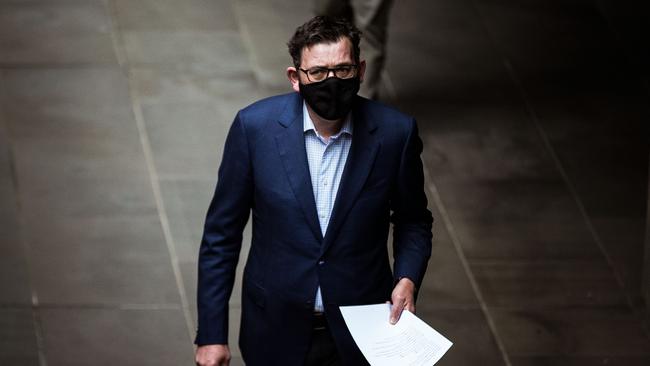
(265, 171)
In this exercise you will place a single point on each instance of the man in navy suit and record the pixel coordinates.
(324, 173)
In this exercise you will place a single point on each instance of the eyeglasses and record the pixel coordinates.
(318, 73)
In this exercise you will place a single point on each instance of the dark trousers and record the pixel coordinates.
(322, 351)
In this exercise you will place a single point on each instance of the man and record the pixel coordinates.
(321, 169)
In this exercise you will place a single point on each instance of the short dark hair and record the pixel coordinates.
(323, 29)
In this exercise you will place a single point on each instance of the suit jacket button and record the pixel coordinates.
(321, 262)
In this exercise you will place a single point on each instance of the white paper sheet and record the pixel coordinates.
(410, 342)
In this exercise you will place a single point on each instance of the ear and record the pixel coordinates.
(362, 69)
(294, 78)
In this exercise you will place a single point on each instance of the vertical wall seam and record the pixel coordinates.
(26, 247)
(451, 230)
(534, 118)
(136, 108)
(565, 176)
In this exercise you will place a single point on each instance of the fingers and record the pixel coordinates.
(213, 355)
(411, 307)
(221, 362)
(396, 310)
(225, 362)
(402, 298)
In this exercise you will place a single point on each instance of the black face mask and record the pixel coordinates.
(331, 98)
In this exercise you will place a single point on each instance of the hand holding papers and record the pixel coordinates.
(410, 342)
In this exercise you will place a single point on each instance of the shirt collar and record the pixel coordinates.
(308, 124)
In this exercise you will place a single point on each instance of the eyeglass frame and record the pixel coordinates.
(333, 70)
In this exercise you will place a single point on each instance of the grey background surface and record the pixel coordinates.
(534, 116)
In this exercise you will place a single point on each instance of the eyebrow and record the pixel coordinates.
(337, 65)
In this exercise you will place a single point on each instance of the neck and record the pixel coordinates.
(325, 127)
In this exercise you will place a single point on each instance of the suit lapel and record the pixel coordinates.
(291, 145)
(359, 164)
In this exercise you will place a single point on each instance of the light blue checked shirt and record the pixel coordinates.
(326, 162)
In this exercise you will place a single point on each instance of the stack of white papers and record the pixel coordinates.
(410, 342)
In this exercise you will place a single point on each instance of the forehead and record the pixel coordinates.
(327, 54)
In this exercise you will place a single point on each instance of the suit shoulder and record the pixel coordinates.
(260, 119)
(384, 112)
(268, 108)
(389, 119)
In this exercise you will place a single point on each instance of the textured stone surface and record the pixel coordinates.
(17, 338)
(112, 121)
(82, 336)
(59, 33)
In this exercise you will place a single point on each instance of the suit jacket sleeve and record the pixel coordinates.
(222, 237)
(411, 219)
